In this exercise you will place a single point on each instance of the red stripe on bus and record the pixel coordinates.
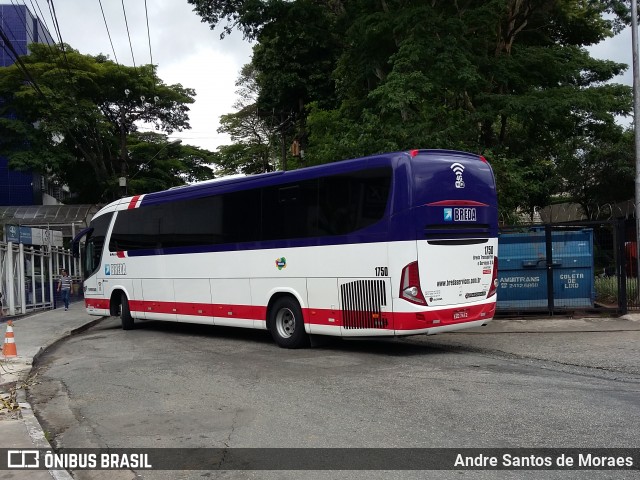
(97, 303)
(134, 200)
(315, 316)
(447, 316)
(199, 309)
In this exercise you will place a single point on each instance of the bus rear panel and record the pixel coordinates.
(451, 282)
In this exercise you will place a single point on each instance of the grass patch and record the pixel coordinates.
(607, 290)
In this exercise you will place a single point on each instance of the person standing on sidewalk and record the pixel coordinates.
(64, 286)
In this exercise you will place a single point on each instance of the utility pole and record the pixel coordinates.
(636, 125)
(123, 155)
(284, 151)
(122, 181)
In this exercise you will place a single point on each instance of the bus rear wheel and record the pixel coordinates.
(125, 313)
(286, 324)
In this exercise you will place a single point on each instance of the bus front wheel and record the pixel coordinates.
(125, 313)
(286, 324)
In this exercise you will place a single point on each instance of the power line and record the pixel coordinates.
(146, 12)
(54, 52)
(124, 11)
(11, 51)
(44, 20)
(20, 64)
(109, 34)
(56, 25)
(18, 15)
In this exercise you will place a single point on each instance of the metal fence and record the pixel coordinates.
(29, 276)
(567, 267)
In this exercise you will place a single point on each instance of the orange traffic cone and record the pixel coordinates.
(9, 347)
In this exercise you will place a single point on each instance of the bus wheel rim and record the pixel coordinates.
(285, 323)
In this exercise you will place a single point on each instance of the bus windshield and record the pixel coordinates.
(95, 243)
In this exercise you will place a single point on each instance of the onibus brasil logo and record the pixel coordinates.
(281, 263)
(458, 168)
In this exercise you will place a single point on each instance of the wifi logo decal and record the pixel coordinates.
(458, 168)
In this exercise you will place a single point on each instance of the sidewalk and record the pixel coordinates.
(35, 333)
(558, 324)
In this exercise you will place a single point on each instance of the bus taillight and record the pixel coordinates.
(410, 285)
(494, 278)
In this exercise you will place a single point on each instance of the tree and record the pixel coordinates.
(77, 117)
(293, 59)
(602, 173)
(254, 134)
(511, 79)
(159, 164)
(507, 78)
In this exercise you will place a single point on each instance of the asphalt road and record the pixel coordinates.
(171, 385)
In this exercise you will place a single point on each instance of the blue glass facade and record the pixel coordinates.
(22, 29)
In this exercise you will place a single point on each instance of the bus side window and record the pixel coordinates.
(289, 211)
(334, 205)
(353, 201)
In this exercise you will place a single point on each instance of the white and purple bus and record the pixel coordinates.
(394, 244)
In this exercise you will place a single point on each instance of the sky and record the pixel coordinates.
(619, 49)
(188, 52)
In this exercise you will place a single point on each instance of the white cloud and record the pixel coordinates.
(186, 51)
(617, 48)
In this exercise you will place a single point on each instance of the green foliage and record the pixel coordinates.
(510, 79)
(255, 136)
(607, 290)
(601, 172)
(157, 164)
(76, 129)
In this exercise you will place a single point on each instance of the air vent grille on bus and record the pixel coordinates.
(450, 232)
(362, 302)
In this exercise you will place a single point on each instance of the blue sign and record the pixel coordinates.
(25, 236)
(13, 233)
(448, 214)
(18, 234)
(33, 236)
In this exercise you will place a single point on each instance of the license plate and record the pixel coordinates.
(458, 314)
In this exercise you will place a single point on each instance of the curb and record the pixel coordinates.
(36, 432)
(32, 425)
(65, 335)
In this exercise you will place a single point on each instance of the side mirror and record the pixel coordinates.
(75, 243)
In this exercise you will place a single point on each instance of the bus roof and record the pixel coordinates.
(233, 182)
(267, 179)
